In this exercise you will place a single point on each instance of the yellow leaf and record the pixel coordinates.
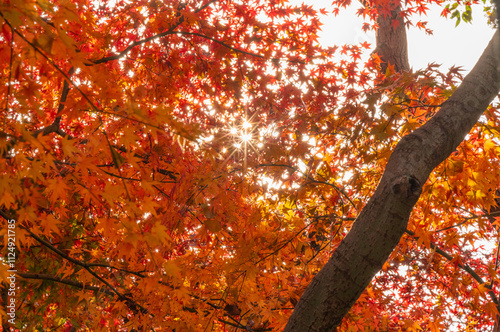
(489, 144)
(471, 183)
(480, 194)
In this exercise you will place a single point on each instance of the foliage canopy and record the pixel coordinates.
(191, 166)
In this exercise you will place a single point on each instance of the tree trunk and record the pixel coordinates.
(382, 222)
(392, 46)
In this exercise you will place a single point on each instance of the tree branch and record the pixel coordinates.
(464, 267)
(145, 40)
(65, 281)
(185, 33)
(130, 303)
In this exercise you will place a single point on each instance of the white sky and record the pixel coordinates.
(460, 46)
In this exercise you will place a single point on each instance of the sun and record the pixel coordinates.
(243, 135)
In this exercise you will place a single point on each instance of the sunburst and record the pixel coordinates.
(243, 135)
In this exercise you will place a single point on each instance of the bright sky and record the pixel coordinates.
(460, 46)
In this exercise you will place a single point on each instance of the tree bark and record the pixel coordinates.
(382, 222)
(392, 46)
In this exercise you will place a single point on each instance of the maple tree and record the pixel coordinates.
(194, 165)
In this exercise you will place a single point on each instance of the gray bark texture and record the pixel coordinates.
(392, 46)
(380, 225)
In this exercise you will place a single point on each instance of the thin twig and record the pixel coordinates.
(53, 65)
(10, 77)
(466, 219)
(145, 40)
(464, 267)
(312, 180)
(221, 43)
(130, 303)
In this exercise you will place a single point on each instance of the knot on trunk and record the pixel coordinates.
(408, 186)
